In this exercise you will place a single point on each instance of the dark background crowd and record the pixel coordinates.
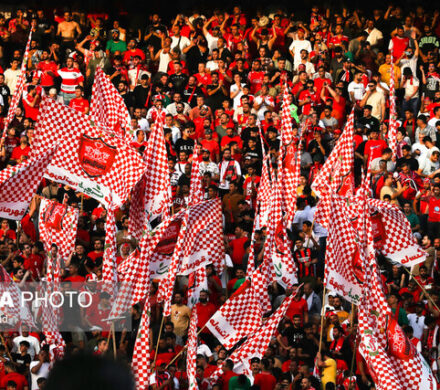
(217, 78)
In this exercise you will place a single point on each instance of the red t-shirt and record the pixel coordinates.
(18, 152)
(19, 379)
(256, 81)
(204, 313)
(265, 381)
(47, 80)
(375, 148)
(79, 104)
(35, 264)
(434, 210)
(238, 250)
(297, 307)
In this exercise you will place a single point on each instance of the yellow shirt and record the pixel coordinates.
(385, 74)
(180, 317)
(328, 373)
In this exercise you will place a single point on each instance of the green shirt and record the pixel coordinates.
(413, 220)
(403, 319)
(234, 384)
(113, 46)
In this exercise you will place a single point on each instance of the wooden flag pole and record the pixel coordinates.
(322, 318)
(113, 339)
(423, 289)
(158, 338)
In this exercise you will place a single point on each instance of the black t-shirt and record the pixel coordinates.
(22, 361)
(183, 145)
(179, 81)
(140, 95)
(295, 336)
(215, 100)
(372, 122)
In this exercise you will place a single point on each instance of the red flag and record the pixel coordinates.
(108, 108)
(57, 224)
(19, 183)
(89, 159)
(231, 323)
(191, 363)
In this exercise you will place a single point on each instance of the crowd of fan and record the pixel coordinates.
(217, 79)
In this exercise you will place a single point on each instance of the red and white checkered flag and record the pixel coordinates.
(157, 180)
(195, 189)
(109, 275)
(231, 323)
(141, 354)
(336, 175)
(197, 282)
(137, 209)
(107, 107)
(343, 258)
(261, 278)
(16, 94)
(89, 159)
(19, 183)
(191, 362)
(393, 360)
(264, 193)
(291, 172)
(57, 224)
(256, 345)
(286, 120)
(392, 234)
(19, 309)
(392, 125)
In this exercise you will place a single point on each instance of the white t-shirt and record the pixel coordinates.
(298, 45)
(212, 42)
(266, 102)
(233, 89)
(358, 90)
(374, 36)
(427, 166)
(42, 373)
(203, 349)
(184, 42)
(409, 63)
(417, 323)
(410, 87)
(433, 121)
(310, 68)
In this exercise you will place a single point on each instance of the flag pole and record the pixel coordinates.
(423, 289)
(158, 338)
(112, 330)
(183, 349)
(322, 318)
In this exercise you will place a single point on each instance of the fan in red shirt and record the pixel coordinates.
(256, 77)
(12, 375)
(47, 70)
(31, 102)
(230, 137)
(399, 42)
(132, 52)
(204, 310)
(74, 276)
(237, 245)
(78, 103)
(21, 152)
(35, 262)
(203, 78)
(140, 140)
(6, 231)
(374, 146)
(265, 380)
(98, 250)
(308, 98)
(298, 306)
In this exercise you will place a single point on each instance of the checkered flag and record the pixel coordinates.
(191, 362)
(197, 282)
(261, 278)
(89, 159)
(57, 224)
(19, 309)
(231, 323)
(141, 354)
(157, 181)
(393, 236)
(392, 358)
(256, 345)
(336, 176)
(392, 125)
(291, 173)
(137, 209)
(343, 258)
(264, 193)
(107, 107)
(16, 94)
(195, 189)
(286, 119)
(109, 275)
(19, 183)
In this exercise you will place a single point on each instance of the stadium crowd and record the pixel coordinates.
(217, 80)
